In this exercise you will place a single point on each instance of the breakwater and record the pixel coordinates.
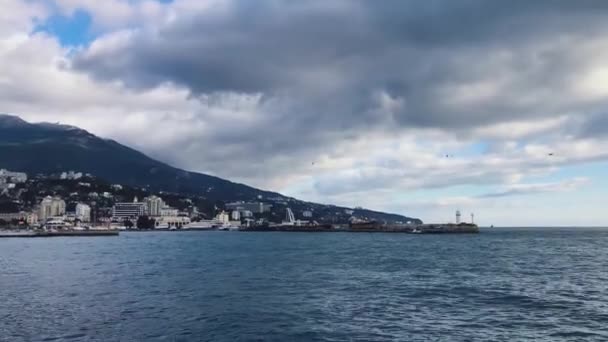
(39, 234)
(372, 227)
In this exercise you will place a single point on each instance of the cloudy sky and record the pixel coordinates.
(415, 107)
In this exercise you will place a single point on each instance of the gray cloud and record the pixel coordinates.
(269, 87)
(595, 126)
(325, 62)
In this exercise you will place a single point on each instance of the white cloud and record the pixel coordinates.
(536, 188)
(18, 17)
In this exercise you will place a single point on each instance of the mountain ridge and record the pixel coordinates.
(46, 148)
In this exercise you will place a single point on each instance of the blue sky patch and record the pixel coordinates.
(70, 30)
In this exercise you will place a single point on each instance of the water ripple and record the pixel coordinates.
(501, 285)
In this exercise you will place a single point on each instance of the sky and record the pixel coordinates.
(497, 108)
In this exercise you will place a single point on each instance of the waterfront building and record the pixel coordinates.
(51, 207)
(155, 205)
(307, 213)
(126, 210)
(223, 218)
(83, 212)
(7, 217)
(165, 222)
(70, 216)
(32, 218)
(236, 215)
(246, 214)
(168, 212)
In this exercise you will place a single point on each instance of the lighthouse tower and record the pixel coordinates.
(457, 216)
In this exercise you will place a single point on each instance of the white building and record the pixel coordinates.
(32, 218)
(126, 210)
(51, 207)
(71, 175)
(223, 218)
(13, 177)
(172, 221)
(83, 212)
(169, 212)
(155, 205)
(236, 215)
(307, 213)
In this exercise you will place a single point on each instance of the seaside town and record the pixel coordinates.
(74, 203)
(74, 200)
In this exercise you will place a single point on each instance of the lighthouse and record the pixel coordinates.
(457, 216)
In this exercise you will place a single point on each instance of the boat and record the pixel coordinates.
(228, 227)
(201, 225)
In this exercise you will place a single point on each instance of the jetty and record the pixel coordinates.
(290, 224)
(58, 233)
(448, 228)
(374, 227)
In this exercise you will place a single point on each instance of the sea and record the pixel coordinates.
(504, 284)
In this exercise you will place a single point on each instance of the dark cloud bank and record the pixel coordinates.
(334, 70)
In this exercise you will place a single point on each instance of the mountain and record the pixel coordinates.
(52, 148)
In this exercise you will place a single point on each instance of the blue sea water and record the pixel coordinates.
(500, 285)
